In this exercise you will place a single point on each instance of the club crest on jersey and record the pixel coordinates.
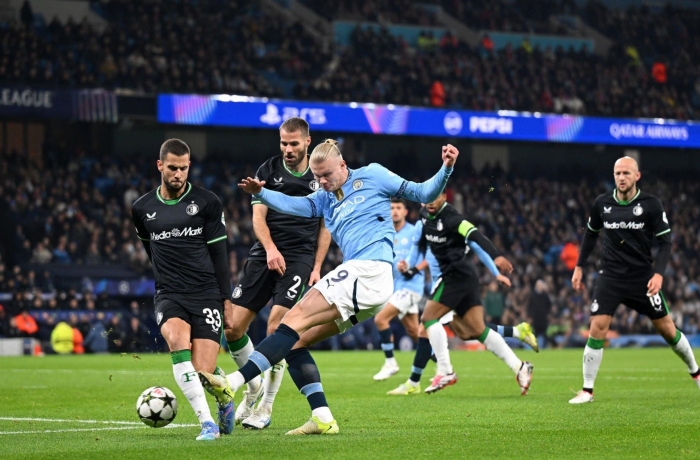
(159, 317)
(404, 241)
(594, 305)
(357, 185)
(192, 209)
(237, 292)
(638, 210)
(439, 225)
(314, 185)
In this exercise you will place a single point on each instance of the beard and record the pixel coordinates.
(174, 187)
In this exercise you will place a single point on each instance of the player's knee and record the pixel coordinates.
(301, 343)
(236, 332)
(381, 323)
(412, 331)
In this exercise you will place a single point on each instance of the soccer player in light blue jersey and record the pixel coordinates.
(355, 205)
(408, 291)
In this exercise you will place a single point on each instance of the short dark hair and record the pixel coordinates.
(295, 124)
(399, 200)
(174, 146)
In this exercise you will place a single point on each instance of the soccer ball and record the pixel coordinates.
(156, 407)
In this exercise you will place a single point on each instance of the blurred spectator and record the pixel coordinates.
(62, 338)
(6, 329)
(96, 338)
(658, 71)
(137, 337)
(569, 254)
(538, 308)
(26, 324)
(494, 303)
(78, 348)
(26, 14)
(437, 94)
(115, 335)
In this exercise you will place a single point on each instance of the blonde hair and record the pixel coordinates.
(323, 151)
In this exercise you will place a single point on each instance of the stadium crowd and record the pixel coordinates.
(381, 11)
(76, 210)
(381, 68)
(234, 47)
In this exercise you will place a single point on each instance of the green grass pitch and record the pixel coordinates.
(646, 406)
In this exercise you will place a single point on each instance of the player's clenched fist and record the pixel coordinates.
(449, 155)
(250, 185)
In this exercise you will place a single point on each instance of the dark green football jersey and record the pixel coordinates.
(179, 232)
(442, 234)
(295, 237)
(629, 228)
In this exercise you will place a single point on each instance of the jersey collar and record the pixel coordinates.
(176, 200)
(296, 174)
(625, 203)
(432, 217)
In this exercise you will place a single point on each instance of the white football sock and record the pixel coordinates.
(272, 382)
(438, 340)
(323, 414)
(188, 381)
(235, 381)
(592, 358)
(391, 362)
(683, 349)
(240, 357)
(496, 345)
(516, 332)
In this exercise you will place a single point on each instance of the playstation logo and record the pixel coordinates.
(271, 116)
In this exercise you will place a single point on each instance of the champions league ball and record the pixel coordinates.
(156, 407)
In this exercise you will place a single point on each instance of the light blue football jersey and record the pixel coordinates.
(414, 255)
(403, 242)
(360, 223)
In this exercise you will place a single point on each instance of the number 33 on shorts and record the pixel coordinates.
(213, 317)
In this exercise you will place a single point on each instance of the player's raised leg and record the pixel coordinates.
(473, 322)
(311, 311)
(522, 332)
(678, 342)
(176, 333)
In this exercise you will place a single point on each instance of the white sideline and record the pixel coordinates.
(131, 425)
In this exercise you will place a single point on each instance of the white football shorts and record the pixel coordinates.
(358, 288)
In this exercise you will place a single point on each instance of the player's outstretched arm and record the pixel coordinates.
(294, 205)
(428, 191)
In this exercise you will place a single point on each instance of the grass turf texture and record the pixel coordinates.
(646, 406)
